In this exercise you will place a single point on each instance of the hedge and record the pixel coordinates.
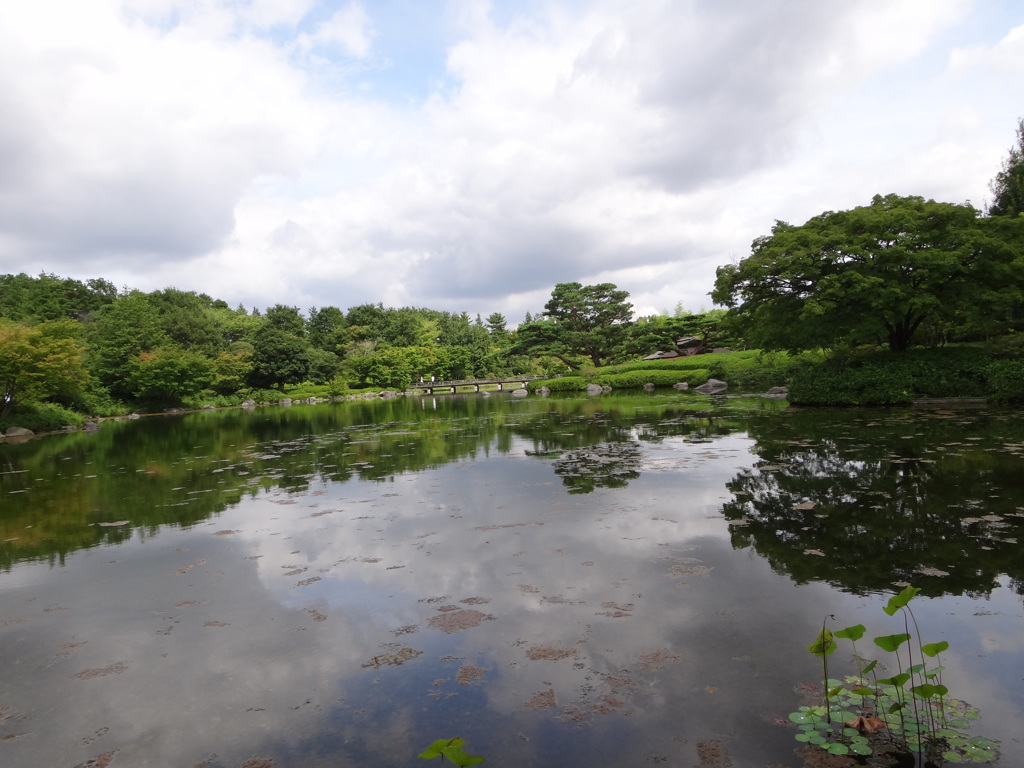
(657, 378)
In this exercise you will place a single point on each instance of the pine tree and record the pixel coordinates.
(1008, 185)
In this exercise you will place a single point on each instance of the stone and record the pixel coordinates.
(285, 401)
(388, 394)
(778, 391)
(649, 386)
(594, 389)
(18, 432)
(711, 386)
(542, 391)
(681, 385)
(522, 392)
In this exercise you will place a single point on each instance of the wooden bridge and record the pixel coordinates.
(451, 386)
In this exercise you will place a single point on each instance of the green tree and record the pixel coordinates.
(871, 274)
(278, 358)
(1008, 185)
(230, 371)
(497, 324)
(326, 328)
(386, 367)
(168, 374)
(590, 321)
(49, 297)
(121, 332)
(38, 362)
(286, 319)
(661, 332)
(189, 320)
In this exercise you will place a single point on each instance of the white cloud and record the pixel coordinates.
(226, 147)
(348, 28)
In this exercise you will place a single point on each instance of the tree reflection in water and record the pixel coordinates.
(886, 498)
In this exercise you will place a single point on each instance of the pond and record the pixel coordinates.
(617, 581)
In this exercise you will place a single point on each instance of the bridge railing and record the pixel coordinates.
(473, 382)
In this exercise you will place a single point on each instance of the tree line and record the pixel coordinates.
(97, 349)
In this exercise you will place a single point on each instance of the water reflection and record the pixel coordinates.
(70, 492)
(932, 498)
(330, 586)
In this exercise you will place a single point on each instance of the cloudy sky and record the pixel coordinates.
(467, 155)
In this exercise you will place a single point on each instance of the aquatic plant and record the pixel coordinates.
(451, 749)
(910, 710)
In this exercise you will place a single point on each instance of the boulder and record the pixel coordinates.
(388, 394)
(91, 426)
(649, 386)
(681, 385)
(541, 391)
(285, 401)
(523, 392)
(711, 386)
(250, 403)
(594, 389)
(18, 432)
(778, 391)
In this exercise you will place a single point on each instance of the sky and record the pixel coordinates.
(466, 155)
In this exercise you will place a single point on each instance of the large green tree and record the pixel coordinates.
(589, 321)
(38, 362)
(1008, 185)
(278, 358)
(170, 374)
(122, 331)
(871, 274)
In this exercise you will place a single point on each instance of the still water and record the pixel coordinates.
(617, 581)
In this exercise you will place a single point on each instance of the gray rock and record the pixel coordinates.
(285, 401)
(649, 386)
(523, 392)
(18, 432)
(91, 426)
(388, 394)
(594, 389)
(778, 391)
(711, 386)
(681, 385)
(541, 391)
(250, 403)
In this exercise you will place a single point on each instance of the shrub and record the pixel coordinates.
(657, 378)
(211, 398)
(561, 384)
(41, 417)
(1006, 381)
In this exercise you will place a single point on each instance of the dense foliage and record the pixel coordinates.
(102, 351)
(877, 274)
(1008, 185)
